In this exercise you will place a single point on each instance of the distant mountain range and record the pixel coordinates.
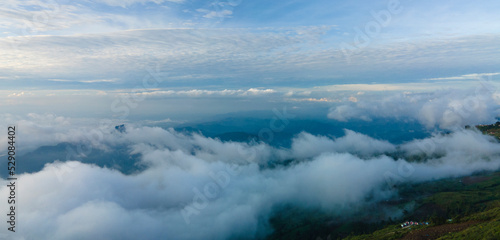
(247, 129)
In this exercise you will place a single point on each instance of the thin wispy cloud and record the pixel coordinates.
(217, 43)
(84, 81)
(199, 93)
(473, 76)
(127, 3)
(313, 100)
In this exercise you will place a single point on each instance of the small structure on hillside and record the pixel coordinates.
(411, 223)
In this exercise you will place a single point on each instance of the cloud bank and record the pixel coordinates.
(201, 188)
(446, 109)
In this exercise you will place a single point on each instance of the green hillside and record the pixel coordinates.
(471, 211)
(455, 208)
(493, 129)
(466, 208)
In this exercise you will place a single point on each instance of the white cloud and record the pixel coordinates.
(473, 76)
(267, 55)
(453, 145)
(85, 81)
(23, 19)
(128, 55)
(306, 145)
(379, 87)
(313, 100)
(446, 109)
(127, 3)
(344, 113)
(218, 14)
(50, 129)
(229, 195)
(201, 93)
(20, 94)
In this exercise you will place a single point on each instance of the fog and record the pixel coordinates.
(196, 187)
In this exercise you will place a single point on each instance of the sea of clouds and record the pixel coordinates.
(194, 187)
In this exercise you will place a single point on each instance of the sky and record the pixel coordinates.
(89, 53)
(70, 71)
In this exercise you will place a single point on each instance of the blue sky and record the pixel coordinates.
(105, 48)
(70, 71)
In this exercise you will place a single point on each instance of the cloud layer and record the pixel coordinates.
(201, 188)
(446, 109)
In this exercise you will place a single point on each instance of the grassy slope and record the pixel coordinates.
(472, 202)
(476, 203)
(493, 129)
(488, 226)
(475, 210)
